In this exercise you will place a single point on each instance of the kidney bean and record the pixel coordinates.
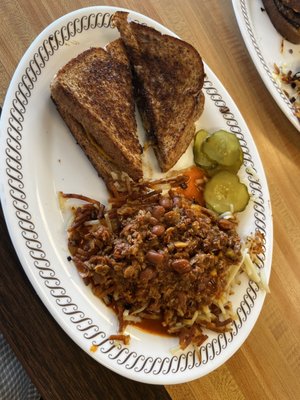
(158, 230)
(166, 203)
(181, 265)
(177, 201)
(158, 212)
(154, 257)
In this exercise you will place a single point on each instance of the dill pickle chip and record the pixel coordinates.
(222, 147)
(200, 158)
(234, 168)
(224, 192)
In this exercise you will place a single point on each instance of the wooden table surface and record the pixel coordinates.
(268, 364)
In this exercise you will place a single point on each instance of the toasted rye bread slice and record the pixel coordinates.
(285, 27)
(96, 90)
(168, 77)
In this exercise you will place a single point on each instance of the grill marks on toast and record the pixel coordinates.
(94, 93)
(168, 75)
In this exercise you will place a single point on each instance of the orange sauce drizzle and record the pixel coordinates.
(152, 326)
(93, 348)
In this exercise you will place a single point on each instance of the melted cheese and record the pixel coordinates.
(97, 146)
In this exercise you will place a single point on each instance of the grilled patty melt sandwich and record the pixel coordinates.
(285, 16)
(168, 76)
(94, 95)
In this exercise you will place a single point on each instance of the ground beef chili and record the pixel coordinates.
(157, 255)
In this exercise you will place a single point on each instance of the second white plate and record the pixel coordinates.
(266, 48)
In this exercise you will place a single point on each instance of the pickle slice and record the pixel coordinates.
(234, 168)
(224, 192)
(222, 147)
(200, 158)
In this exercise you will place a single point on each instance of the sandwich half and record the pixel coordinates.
(94, 95)
(168, 77)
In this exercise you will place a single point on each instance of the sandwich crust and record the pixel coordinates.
(168, 76)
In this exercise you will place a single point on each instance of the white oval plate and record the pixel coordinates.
(266, 47)
(39, 157)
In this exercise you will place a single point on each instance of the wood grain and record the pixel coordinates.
(268, 364)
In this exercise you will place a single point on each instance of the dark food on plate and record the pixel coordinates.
(168, 77)
(285, 16)
(154, 254)
(94, 95)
